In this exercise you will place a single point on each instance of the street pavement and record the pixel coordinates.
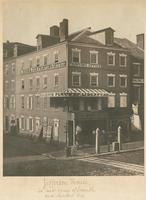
(118, 164)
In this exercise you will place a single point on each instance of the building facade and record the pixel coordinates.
(78, 81)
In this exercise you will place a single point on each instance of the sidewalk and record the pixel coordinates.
(90, 151)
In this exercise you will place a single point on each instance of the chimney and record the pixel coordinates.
(140, 40)
(63, 30)
(109, 36)
(54, 31)
(15, 50)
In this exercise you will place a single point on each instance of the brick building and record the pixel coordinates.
(11, 50)
(136, 78)
(73, 81)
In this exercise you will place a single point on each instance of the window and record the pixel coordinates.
(111, 100)
(45, 102)
(45, 81)
(22, 101)
(7, 102)
(30, 63)
(75, 55)
(93, 57)
(12, 102)
(45, 60)
(122, 60)
(111, 58)
(30, 83)
(30, 124)
(6, 68)
(123, 100)
(37, 101)
(13, 67)
(37, 123)
(56, 57)
(22, 84)
(76, 79)
(136, 69)
(29, 103)
(38, 61)
(123, 80)
(38, 82)
(22, 123)
(12, 84)
(111, 80)
(6, 85)
(93, 79)
(56, 79)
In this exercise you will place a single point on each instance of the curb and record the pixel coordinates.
(92, 155)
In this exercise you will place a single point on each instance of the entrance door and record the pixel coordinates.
(6, 123)
(56, 130)
(70, 133)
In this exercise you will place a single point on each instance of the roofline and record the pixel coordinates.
(81, 33)
(102, 30)
(19, 43)
(100, 47)
(36, 51)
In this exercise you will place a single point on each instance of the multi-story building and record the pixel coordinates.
(73, 81)
(137, 78)
(10, 53)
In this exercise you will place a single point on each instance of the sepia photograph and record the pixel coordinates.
(73, 88)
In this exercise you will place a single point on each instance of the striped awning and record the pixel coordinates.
(80, 92)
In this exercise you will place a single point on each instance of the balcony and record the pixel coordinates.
(88, 65)
(43, 68)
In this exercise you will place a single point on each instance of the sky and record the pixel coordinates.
(23, 20)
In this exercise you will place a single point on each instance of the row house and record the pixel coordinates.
(136, 78)
(73, 81)
(11, 50)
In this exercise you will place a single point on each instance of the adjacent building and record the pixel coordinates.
(73, 81)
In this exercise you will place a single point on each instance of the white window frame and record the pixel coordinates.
(23, 84)
(6, 85)
(45, 85)
(38, 57)
(114, 80)
(31, 102)
(5, 102)
(38, 86)
(22, 96)
(12, 102)
(56, 53)
(29, 123)
(39, 119)
(110, 54)
(74, 74)
(125, 56)
(37, 106)
(138, 65)
(91, 75)
(123, 76)
(96, 53)
(22, 117)
(112, 105)
(13, 68)
(123, 95)
(30, 62)
(6, 69)
(79, 51)
(45, 55)
(12, 84)
(56, 74)
(30, 86)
